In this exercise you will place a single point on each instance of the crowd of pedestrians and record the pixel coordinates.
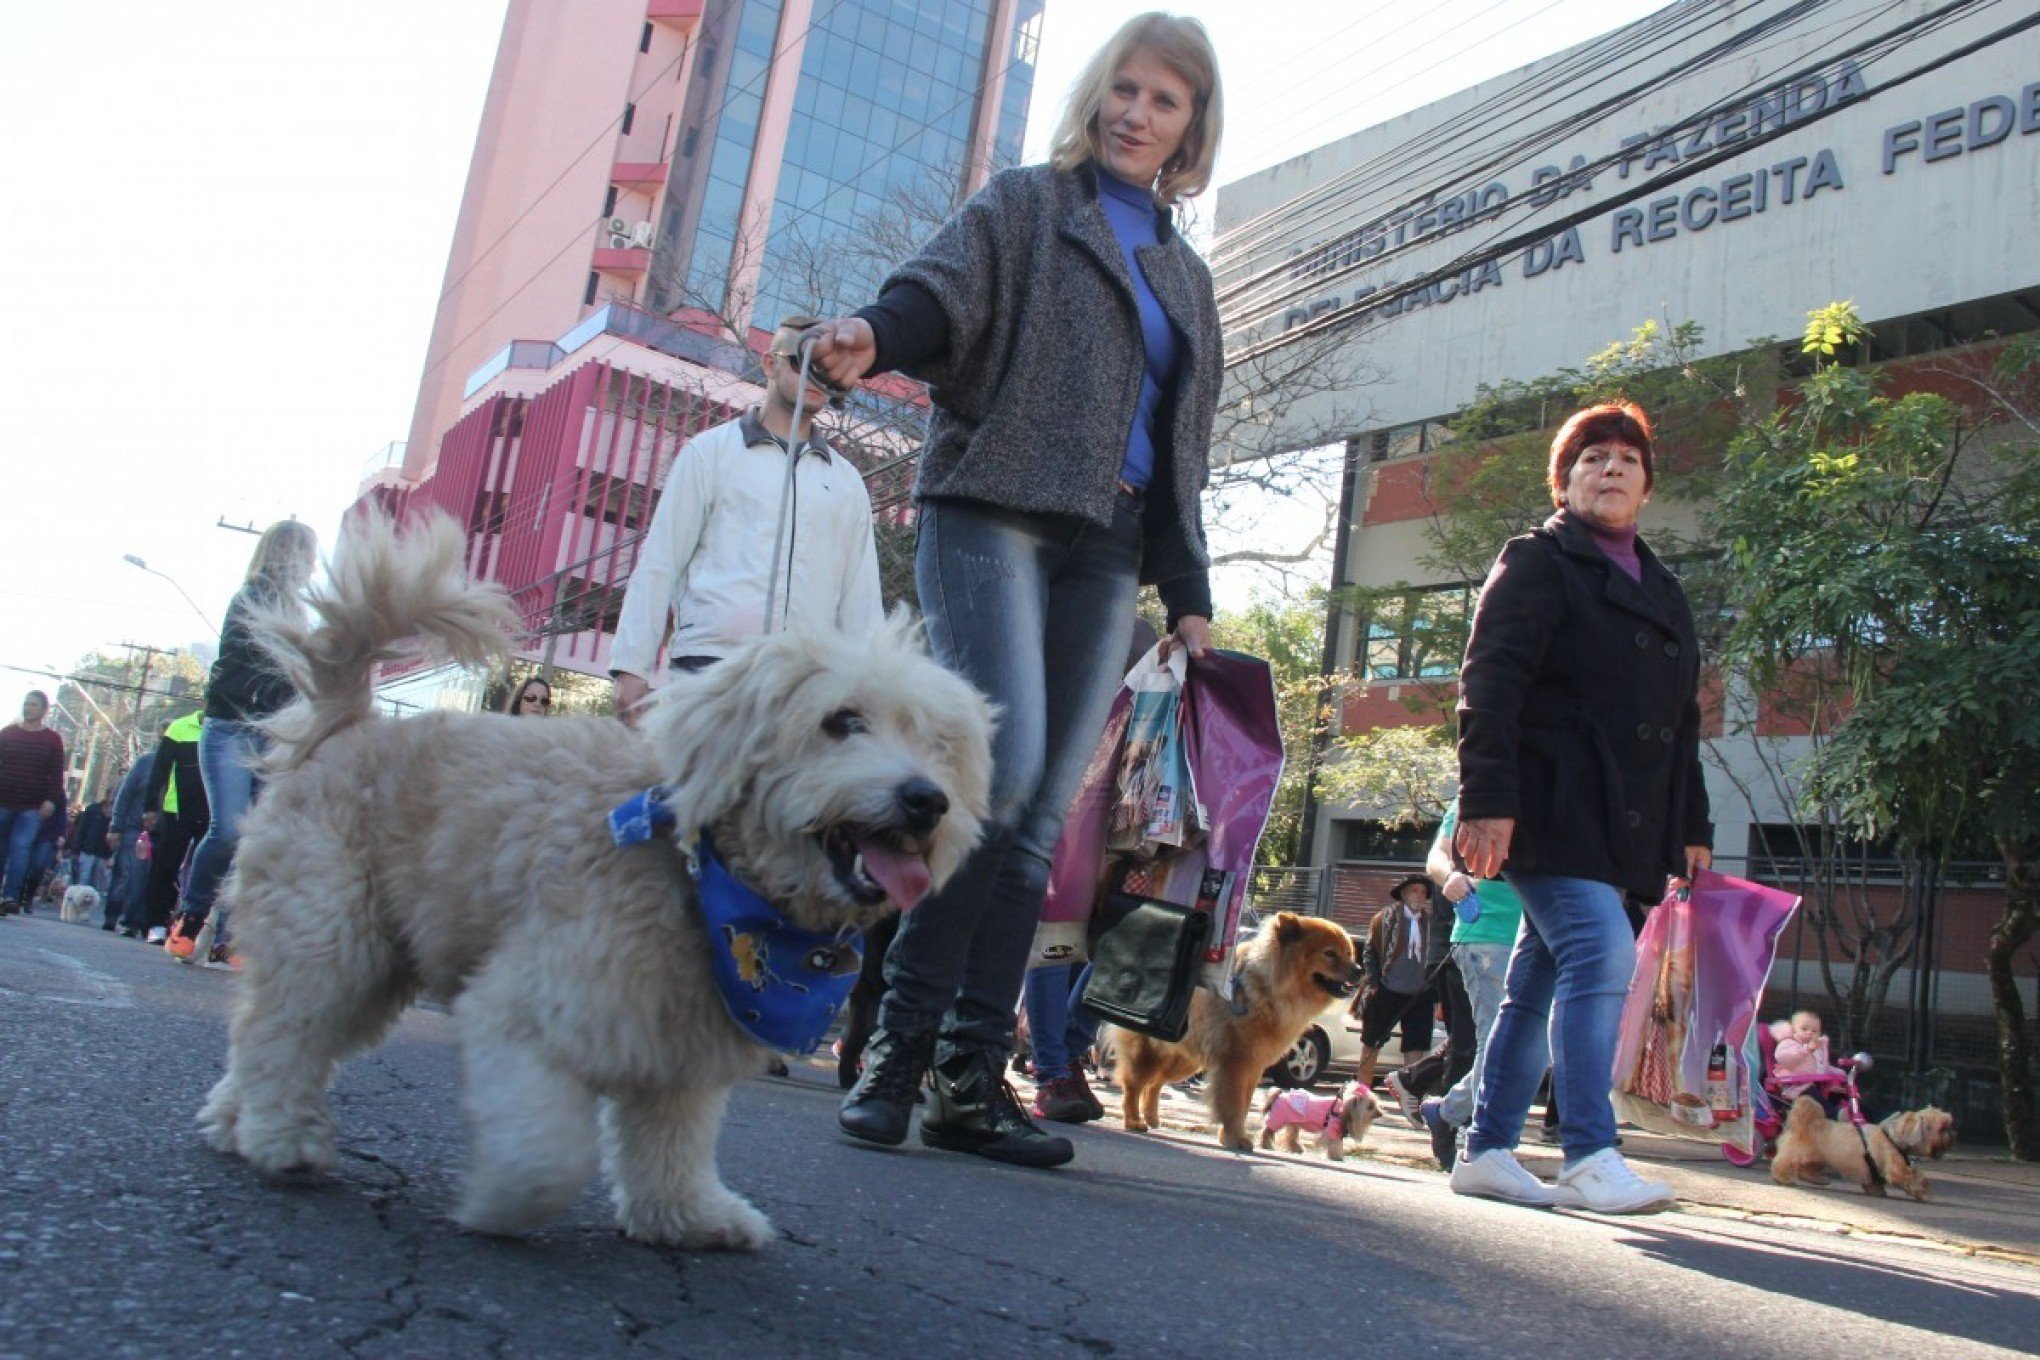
(1071, 339)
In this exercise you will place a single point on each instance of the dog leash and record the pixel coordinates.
(795, 446)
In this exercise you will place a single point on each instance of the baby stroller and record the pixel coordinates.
(1835, 1090)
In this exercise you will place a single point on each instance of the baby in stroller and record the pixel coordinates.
(1800, 1064)
(1793, 1056)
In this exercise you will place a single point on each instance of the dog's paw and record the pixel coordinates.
(217, 1117)
(724, 1222)
(297, 1150)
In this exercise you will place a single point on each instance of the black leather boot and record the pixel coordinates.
(880, 1105)
(973, 1110)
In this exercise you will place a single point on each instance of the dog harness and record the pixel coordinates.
(1870, 1155)
(782, 984)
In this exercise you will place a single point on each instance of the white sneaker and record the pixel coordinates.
(1405, 1100)
(1605, 1184)
(158, 934)
(1496, 1174)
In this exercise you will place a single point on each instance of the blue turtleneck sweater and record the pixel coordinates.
(1136, 222)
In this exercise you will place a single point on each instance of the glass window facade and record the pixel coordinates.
(882, 117)
(729, 164)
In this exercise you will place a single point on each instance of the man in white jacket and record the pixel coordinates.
(727, 507)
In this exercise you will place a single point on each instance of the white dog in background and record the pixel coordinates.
(80, 901)
(468, 857)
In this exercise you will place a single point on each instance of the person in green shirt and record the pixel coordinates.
(1483, 937)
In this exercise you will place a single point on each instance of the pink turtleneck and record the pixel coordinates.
(1620, 547)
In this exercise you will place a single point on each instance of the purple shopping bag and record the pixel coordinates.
(1701, 963)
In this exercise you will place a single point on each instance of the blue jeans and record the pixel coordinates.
(1482, 968)
(1568, 977)
(17, 848)
(1035, 611)
(130, 879)
(227, 752)
(1062, 1029)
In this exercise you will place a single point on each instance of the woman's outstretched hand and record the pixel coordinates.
(844, 349)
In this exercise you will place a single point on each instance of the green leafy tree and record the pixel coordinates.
(1892, 544)
(1405, 776)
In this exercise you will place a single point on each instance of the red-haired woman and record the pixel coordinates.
(1580, 782)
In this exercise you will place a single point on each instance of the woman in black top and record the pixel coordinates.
(244, 688)
(1580, 783)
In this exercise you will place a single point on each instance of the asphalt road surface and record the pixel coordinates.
(122, 1234)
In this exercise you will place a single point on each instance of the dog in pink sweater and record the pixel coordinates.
(1338, 1121)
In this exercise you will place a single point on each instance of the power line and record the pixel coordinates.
(1497, 249)
(1266, 303)
(1509, 154)
(1890, 42)
(1383, 166)
(1610, 49)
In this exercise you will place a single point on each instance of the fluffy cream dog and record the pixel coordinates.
(1873, 1156)
(468, 857)
(80, 901)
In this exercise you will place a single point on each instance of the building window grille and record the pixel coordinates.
(594, 283)
(644, 42)
(629, 117)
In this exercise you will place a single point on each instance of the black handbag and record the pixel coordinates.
(1144, 964)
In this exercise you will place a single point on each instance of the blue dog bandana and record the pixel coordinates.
(781, 983)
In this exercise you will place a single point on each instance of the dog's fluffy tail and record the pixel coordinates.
(1805, 1112)
(388, 594)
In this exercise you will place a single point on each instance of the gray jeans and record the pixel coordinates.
(1034, 611)
(1483, 968)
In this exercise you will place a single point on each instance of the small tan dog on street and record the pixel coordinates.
(469, 857)
(1873, 1156)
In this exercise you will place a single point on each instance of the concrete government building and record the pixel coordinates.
(1735, 163)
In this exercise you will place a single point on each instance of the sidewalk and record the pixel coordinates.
(1984, 1204)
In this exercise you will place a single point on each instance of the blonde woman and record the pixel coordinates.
(1072, 342)
(244, 688)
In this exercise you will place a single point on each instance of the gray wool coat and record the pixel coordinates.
(1038, 387)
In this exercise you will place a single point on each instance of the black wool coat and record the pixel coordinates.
(1579, 713)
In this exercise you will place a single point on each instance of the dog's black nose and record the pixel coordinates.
(923, 801)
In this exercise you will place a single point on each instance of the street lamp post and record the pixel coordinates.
(132, 560)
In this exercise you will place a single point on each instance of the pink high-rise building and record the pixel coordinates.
(654, 182)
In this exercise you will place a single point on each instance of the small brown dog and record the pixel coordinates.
(1873, 1156)
(1285, 975)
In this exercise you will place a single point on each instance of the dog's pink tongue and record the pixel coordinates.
(904, 877)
